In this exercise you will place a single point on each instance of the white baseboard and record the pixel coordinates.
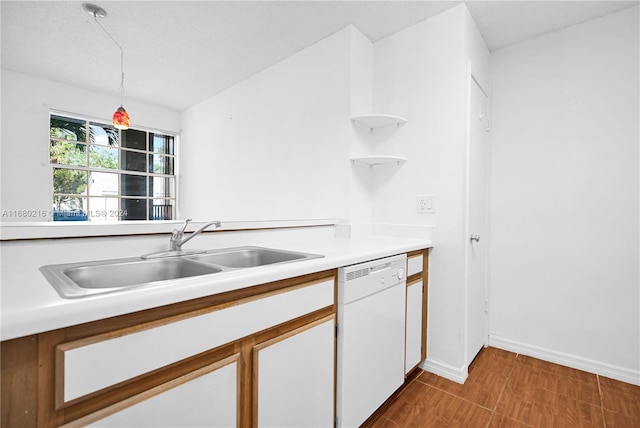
(584, 364)
(439, 368)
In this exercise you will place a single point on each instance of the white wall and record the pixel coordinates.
(564, 196)
(421, 74)
(276, 146)
(361, 84)
(26, 176)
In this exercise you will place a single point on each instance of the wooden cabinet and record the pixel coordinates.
(416, 309)
(206, 362)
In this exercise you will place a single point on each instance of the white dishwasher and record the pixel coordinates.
(371, 323)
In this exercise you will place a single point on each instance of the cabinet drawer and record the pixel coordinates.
(91, 364)
(414, 264)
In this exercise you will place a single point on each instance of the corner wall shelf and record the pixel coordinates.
(378, 121)
(378, 161)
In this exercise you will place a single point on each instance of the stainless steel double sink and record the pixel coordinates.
(72, 280)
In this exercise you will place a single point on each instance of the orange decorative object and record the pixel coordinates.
(121, 118)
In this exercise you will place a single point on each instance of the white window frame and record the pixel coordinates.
(119, 171)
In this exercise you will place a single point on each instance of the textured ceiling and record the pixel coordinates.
(178, 53)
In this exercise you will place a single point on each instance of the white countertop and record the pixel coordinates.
(30, 304)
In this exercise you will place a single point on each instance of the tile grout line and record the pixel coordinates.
(504, 386)
(493, 411)
(389, 420)
(504, 418)
(395, 397)
(460, 398)
(604, 419)
(457, 397)
(466, 400)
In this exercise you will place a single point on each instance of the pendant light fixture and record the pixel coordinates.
(120, 117)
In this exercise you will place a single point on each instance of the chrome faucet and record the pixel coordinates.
(177, 239)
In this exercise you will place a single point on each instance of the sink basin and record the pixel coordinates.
(82, 279)
(247, 257)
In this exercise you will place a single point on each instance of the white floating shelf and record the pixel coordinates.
(377, 121)
(378, 161)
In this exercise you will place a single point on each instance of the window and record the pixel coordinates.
(104, 174)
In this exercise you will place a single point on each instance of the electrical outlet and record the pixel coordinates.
(425, 204)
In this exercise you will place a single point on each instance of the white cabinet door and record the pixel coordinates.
(413, 338)
(204, 398)
(295, 377)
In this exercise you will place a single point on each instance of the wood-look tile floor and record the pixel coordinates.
(510, 390)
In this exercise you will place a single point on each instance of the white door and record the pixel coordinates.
(477, 222)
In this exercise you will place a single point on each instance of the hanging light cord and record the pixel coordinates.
(121, 56)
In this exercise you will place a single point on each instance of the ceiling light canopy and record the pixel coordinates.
(94, 10)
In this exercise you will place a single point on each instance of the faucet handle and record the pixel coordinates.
(177, 234)
(186, 222)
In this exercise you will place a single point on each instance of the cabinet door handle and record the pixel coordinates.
(474, 238)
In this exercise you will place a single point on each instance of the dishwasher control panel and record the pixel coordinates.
(357, 281)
